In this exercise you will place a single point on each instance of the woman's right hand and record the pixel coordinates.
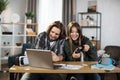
(76, 55)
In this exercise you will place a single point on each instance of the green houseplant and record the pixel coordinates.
(3, 5)
(30, 15)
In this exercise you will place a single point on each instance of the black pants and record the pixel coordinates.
(90, 76)
(37, 76)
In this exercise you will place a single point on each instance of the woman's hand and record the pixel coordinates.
(86, 47)
(76, 55)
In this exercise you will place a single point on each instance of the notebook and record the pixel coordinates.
(40, 58)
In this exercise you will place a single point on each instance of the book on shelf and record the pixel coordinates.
(7, 33)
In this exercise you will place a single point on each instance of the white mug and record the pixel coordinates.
(23, 60)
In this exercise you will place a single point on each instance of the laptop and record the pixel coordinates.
(40, 58)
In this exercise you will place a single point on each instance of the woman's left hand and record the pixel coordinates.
(86, 47)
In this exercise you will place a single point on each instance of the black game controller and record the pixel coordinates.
(79, 49)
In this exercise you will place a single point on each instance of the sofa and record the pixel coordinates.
(114, 51)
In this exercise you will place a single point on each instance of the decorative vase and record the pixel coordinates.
(29, 20)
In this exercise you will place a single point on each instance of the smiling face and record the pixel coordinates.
(74, 33)
(54, 33)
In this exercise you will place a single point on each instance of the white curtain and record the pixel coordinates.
(49, 11)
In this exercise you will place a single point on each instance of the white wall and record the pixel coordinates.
(110, 20)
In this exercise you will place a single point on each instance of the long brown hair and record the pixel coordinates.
(60, 26)
(68, 32)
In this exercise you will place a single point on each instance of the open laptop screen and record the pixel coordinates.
(40, 58)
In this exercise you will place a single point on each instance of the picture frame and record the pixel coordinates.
(92, 6)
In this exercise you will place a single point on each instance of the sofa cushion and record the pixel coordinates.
(114, 51)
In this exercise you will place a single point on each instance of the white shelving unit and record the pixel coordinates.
(12, 33)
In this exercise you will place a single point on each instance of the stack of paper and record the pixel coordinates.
(71, 67)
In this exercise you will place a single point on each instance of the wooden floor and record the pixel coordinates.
(4, 74)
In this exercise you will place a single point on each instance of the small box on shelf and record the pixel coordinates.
(31, 33)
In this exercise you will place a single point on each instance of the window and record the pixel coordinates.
(48, 11)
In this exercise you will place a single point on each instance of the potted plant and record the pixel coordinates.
(3, 5)
(30, 15)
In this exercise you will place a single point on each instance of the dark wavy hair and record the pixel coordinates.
(60, 26)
